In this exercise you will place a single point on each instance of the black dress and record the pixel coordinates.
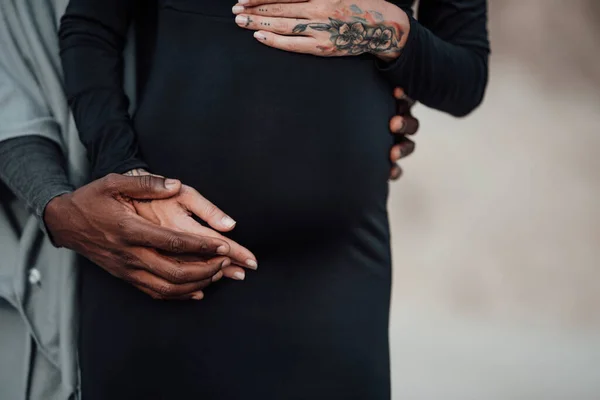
(295, 148)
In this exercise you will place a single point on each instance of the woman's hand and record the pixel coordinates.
(176, 213)
(327, 27)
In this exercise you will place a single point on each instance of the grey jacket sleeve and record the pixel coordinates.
(33, 167)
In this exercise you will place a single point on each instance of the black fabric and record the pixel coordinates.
(295, 148)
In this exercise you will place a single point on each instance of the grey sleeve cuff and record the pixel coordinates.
(33, 167)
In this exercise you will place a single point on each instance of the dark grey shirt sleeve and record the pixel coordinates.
(33, 167)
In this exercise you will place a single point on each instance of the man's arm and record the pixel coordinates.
(98, 221)
(33, 167)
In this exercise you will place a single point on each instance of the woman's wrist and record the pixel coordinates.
(137, 172)
(400, 26)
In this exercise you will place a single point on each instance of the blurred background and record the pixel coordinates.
(496, 223)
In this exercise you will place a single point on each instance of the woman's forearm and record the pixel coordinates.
(444, 62)
(92, 38)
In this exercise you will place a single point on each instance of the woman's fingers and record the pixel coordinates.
(283, 26)
(249, 3)
(234, 272)
(205, 210)
(296, 44)
(238, 254)
(291, 10)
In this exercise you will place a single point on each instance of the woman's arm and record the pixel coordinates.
(444, 63)
(440, 61)
(92, 37)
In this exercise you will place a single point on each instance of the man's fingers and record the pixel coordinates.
(404, 125)
(141, 187)
(197, 295)
(402, 148)
(396, 172)
(205, 210)
(181, 272)
(138, 231)
(399, 94)
(160, 288)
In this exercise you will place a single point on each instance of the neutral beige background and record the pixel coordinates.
(496, 223)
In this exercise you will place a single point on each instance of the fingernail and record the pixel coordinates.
(226, 263)
(171, 183)
(198, 296)
(227, 221)
(260, 36)
(239, 275)
(251, 263)
(222, 249)
(399, 125)
(244, 1)
(238, 9)
(217, 276)
(241, 20)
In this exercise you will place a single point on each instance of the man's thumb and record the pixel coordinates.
(144, 187)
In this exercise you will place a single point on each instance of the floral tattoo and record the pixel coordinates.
(359, 35)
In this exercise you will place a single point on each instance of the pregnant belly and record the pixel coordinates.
(283, 142)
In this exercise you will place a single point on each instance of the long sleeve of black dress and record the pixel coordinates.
(92, 39)
(444, 63)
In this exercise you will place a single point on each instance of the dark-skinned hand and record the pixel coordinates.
(402, 124)
(99, 221)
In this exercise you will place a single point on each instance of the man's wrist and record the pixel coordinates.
(55, 210)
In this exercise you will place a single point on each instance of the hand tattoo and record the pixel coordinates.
(362, 33)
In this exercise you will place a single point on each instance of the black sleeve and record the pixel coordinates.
(444, 63)
(92, 37)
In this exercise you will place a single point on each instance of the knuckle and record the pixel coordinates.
(128, 260)
(324, 9)
(125, 226)
(176, 244)
(275, 10)
(157, 296)
(127, 275)
(166, 290)
(281, 26)
(145, 182)
(179, 275)
(111, 181)
(210, 210)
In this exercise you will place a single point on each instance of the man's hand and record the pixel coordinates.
(99, 222)
(401, 125)
(177, 213)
